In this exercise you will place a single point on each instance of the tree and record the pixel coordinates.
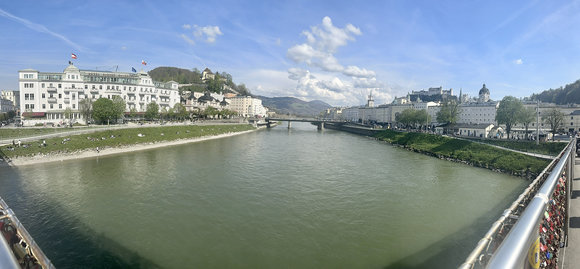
(555, 118)
(508, 112)
(215, 84)
(11, 114)
(118, 106)
(180, 111)
(449, 113)
(133, 113)
(406, 117)
(86, 109)
(527, 116)
(67, 113)
(152, 111)
(210, 112)
(103, 110)
(243, 90)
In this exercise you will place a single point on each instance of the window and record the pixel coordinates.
(32, 96)
(86, 87)
(60, 106)
(26, 97)
(51, 106)
(43, 95)
(59, 85)
(43, 106)
(50, 85)
(42, 85)
(50, 96)
(73, 86)
(74, 105)
(100, 87)
(31, 106)
(73, 96)
(108, 87)
(59, 95)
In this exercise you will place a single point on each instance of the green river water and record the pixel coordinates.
(275, 198)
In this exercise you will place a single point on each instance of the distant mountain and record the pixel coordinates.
(294, 106)
(570, 94)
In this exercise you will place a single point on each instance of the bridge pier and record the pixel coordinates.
(321, 126)
(289, 124)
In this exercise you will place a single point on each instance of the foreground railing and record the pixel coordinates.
(533, 228)
(22, 249)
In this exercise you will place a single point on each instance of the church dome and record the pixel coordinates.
(484, 90)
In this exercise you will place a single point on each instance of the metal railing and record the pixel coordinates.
(510, 237)
(32, 248)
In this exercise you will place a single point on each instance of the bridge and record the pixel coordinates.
(541, 228)
(319, 122)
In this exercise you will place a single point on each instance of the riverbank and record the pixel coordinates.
(468, 152)
(113, 142)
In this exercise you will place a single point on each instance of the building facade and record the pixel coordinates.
(13, 96)
(246, 106)
(45, 96)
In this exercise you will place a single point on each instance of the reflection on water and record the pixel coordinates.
(300, 198)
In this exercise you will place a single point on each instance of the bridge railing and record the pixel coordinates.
(533, 227)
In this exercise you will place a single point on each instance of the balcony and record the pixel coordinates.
(51, 100)
(51, 89)
(67, 100)
(94, 90)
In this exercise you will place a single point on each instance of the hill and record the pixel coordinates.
(185, 76)
(294, 106)
(570, 94)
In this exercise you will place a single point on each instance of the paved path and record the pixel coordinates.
(543, 156)
(571, 254)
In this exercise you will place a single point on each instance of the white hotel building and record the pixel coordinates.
(45, 96)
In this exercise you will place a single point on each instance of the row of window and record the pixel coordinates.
(29, 96)
(74, 106)
(28, 85)
(28, 75)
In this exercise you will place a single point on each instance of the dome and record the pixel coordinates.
(71, 69)
(484, 90)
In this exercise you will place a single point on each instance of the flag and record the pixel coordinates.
(133, 69)
(143, 62)
(72, 55)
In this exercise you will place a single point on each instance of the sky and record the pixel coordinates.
(334, 51)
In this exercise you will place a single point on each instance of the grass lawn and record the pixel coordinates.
(15, 133)
(118, 138)
(546, 148)
(475, 153)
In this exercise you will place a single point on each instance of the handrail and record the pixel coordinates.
(34, 248)
(513, 251)
(508, 217)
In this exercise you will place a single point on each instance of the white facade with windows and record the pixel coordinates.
(246, 106)
(45, 96)
(478, 113)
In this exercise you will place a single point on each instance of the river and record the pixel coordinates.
(274, 198)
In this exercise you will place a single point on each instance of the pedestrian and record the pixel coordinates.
(44, 143)
(19, 143)
(98, 150)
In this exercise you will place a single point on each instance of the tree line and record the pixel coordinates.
(106, 111)
(510, 112)
(184, 76)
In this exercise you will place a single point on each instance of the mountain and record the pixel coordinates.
(570, 94)
(294, 106)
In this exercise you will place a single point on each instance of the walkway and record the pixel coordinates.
(537, 155)
(571, 254)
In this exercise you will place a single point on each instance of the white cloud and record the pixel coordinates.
(518, 61)
(186, 26)
(322, 42)
(209, 33)
(187, 39)
(40, 28)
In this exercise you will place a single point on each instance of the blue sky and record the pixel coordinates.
(334, 51)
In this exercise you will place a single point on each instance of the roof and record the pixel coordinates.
(28, 70)
(206, 70)
(575, 112)
(71, 68)
(473, 126)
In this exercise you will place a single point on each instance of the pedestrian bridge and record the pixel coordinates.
(541, 229)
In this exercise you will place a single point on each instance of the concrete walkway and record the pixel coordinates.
(571, 254)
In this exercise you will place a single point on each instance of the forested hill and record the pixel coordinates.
(185, 76)
(570, 94)
(179, 75)
(294, 106)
